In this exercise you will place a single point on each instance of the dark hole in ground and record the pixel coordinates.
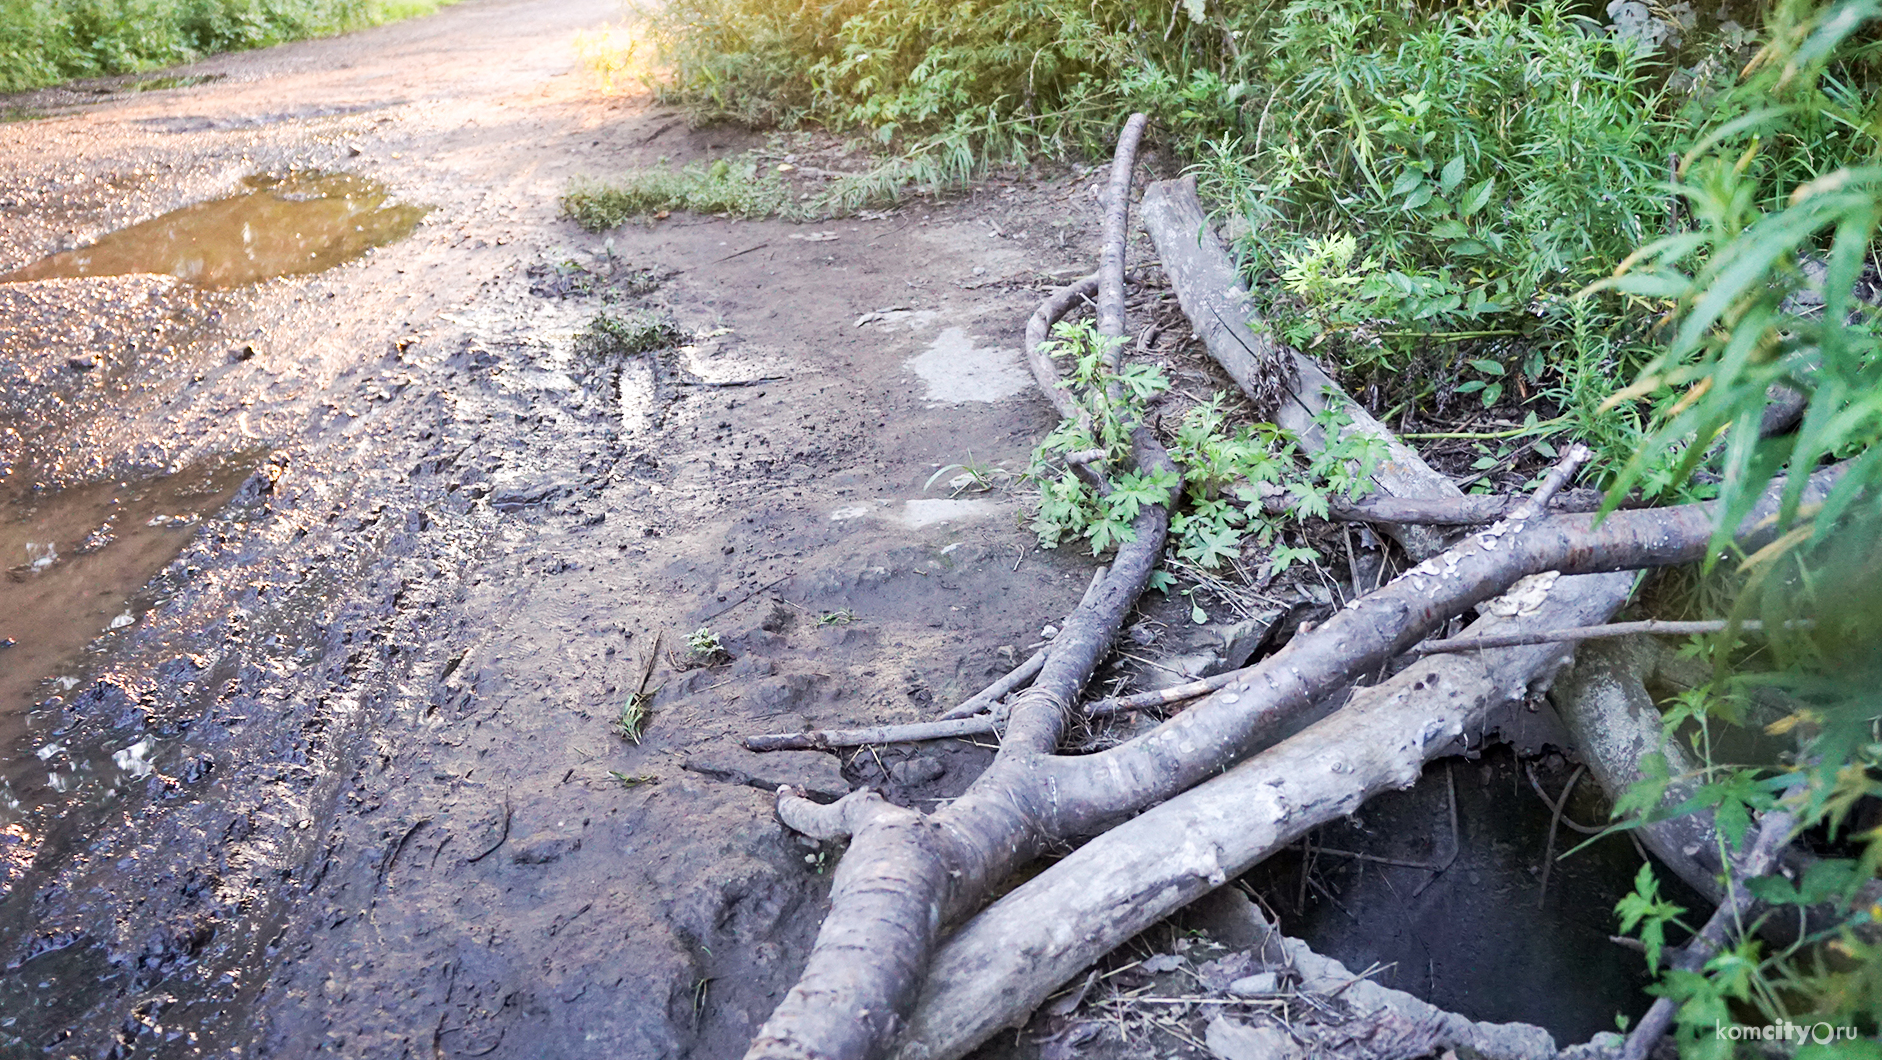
(73, 564)
(1479, 938)
(288, 225)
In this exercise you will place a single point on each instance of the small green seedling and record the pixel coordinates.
(633, 717)
(705, 643)
(841, 617)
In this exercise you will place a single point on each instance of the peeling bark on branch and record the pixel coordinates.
(1217, 305)
(998, 967)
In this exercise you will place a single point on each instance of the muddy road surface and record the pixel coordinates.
(333, 557)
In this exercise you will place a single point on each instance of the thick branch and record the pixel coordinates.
(1454, 511)
(1116, 228)
(999, 966)
(1217, 305)
(1188, 748)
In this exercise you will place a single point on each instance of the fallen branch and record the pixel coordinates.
(912, 732)
(1160, 697)
(1610, 631)
(1216, 303)
(997, 967)
(1454, 511)
(906, 873)
(1116, 225)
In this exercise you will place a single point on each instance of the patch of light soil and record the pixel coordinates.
(957, 371)
(917, 514)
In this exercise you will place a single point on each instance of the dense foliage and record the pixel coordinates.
(46, 41)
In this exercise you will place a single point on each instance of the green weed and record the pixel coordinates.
(1223, 471)
(636, 332)
(43, 42)
(633, 716)
(705, 643)
(739, 188)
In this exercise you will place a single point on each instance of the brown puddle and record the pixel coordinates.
(282, 226)
(75, 560)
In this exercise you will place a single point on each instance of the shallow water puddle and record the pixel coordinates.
(75, 560)
(281, 226)
(957, 371)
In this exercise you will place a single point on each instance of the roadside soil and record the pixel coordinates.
(334, 767)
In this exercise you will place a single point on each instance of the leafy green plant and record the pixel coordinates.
(633, 717)
(705, 643)
(1784, 192)
(1226, 475)
(973, 477)
(637, 332)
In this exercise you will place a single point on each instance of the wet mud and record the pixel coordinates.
(78, 558)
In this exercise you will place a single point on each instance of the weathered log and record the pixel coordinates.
(996, 968)
(1607, 631)
(1217, 305)
(906, 873)
(999, 966)
(1455, 511)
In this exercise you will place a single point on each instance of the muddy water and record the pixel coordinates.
(74, 562)
(281, 226)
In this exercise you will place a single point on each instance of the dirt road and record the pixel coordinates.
(343, 776)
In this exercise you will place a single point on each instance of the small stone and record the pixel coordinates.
(545, 848)
(1255, 985)
(914, 771)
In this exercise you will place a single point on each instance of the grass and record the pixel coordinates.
(1419, 190)
(738, 189)
(44, 42)
(638, 332)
